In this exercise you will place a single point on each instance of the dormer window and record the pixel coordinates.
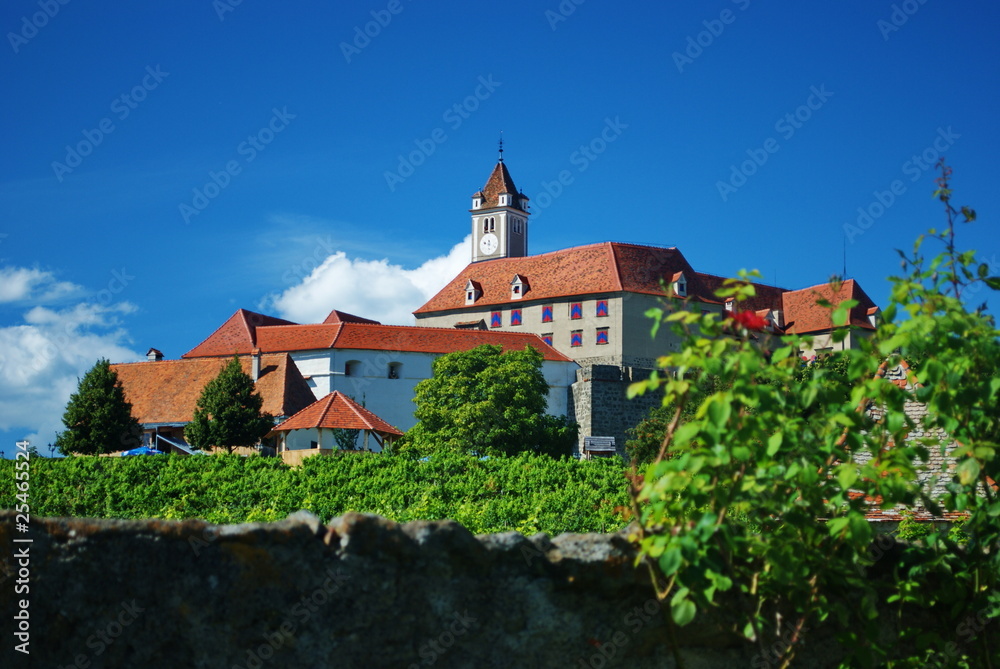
(680, 285)
(473, 292)
(477, 201)
(518, 287)
(729, 304)
(874, 315)
(504, 200)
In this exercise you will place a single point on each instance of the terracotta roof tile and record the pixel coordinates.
(337, 411)
(367, 336)
(766, 297)
(298, 337)
(237, 336)
(344, 317)
(583, 270)
(167, 391)
(499, 182)
(804, 316)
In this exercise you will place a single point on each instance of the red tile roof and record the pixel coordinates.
(582, 270)
(236, 336)
(365, 336)
(767, 297)
(344, 317)
(498, 183)
(804, 316)
(167, 391)
(337, 411)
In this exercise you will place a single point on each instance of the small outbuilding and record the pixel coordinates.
(327, 425)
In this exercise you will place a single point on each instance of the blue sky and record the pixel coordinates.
(119, 114)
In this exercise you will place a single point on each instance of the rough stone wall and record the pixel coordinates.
(602, 406)
(360, 592)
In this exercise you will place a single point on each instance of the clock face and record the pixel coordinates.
(488, 244)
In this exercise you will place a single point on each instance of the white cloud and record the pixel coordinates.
(370, 288)
(22, 283)
(42, 359)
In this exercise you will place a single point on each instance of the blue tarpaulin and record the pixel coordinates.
(143, 450)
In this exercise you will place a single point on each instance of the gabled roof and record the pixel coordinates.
(344, 317)
(167, 391)
(767, 297)
(375, 337)
(499, 182)
(236, 336)
(337, 411)
(582, 270)
(804, 316)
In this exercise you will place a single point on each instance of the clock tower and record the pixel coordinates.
(499, 217)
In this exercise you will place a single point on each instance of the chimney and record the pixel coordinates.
(154, 355)
(255, 364)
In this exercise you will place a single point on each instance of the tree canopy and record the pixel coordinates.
(763, 501)
(488, 402)
(97, 417)
(228, 413)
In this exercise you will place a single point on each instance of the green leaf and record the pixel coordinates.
(719, 411)
(968, 471)
(670, 561)
(774, 443)
(682, 611)
(782, 353)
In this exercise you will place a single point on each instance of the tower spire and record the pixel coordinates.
(500, 143)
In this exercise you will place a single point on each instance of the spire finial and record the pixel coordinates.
(500, 143)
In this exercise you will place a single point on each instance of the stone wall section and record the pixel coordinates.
(601, 403)
(361, 591)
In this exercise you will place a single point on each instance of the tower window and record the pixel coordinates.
(576, 310)
(395, 370)
(602, 308)
(496, 319)
(547, 314)
(576, 338)
(602, 335)
(547, 338)
(493, 222)
(515, 316)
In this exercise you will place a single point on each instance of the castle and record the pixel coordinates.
(590, 303)
(583, 308)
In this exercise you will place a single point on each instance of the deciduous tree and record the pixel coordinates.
(488, 402)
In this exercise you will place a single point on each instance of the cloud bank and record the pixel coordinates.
(374, 289)
(43, 356)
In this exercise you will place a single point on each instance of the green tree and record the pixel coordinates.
(97, 417)
(228, 413)
(488, 402)
(765, 495)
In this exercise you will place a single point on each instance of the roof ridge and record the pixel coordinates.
(331, 399)
(354, 406)
(615, 268)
